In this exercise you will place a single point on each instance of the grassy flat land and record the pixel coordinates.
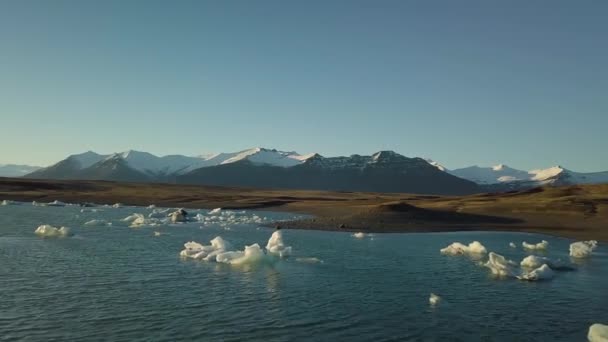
(579, 212)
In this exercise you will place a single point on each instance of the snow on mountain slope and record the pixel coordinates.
(436, 164)
(263, 156)
(12, 170)
(87, 159)
(491, 175)
(151, 164)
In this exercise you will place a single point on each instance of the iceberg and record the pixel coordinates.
(544, 272)
(56, 203)
(179, 216)
(276, 246)
(215, 211)
(512, 245)
(582, 249)
(47, 230)
(500, 266)
(358, 235)
(312, 260)
(458, 248)
(533, 261)
(598, 333)
(7, 202)
(195, 250)
(252, 254)
(538, 246)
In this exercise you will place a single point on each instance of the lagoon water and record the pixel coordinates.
(117, 283)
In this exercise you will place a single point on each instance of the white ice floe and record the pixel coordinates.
(359, 235)
(533, 261)
(538, 246)
(158, 233)
(38, 204)
(98, 223)
(251, 255)
(276, 246)
(220, 251)
(598, 333)
(133, 217)
(117, 205)
(56, 203)
(512, 245)
(47, 230)
(195, 250)
(151, 206)
(215, 211)
(7, 202)
(458, 248)
(89, 210)
(312, 260)
(434, 299)
(543, 272)
(500, 266)
(582, 249)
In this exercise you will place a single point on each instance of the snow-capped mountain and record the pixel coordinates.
(490, 175)
(505, 177)
(13, 170)
(384, 171)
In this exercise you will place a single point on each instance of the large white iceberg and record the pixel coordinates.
(598, 333)
(251, 255)
(276, 246)
(582, 249)
(458, 248)
(536, 246)
(46, 230)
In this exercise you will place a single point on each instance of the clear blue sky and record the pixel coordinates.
(463, 82)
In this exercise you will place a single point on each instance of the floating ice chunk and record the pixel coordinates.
(38, 204)
(7, 202)
(98, 223)
(158, 233)
(538, 246)
(500, 266)
(117, 205)
(359, 235)
(598, 333)
(89, 210)
(47, 230)
(582, 249)
(195, 250)
(56, 203)
(151, 206)
(544, 272)
(533, 261)
(133, 217)
(276, 246)
(312, 260)
(215, 211)
(434, 299)
(251, 255)
(512, 245)
(458, 248)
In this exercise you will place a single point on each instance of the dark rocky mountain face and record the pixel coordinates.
(65, 169)
(383, 172)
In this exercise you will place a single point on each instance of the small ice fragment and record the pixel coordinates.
(538, 246)
(215, 211)
(512, 245)
(358, 235)
(434, 299)
(598, 333)
(458, 248)
(56, 203)
(310, 260)
(151, 206)
(117, 205)
(582, 249)
(158, 233)
(98, 223)
(7, 202)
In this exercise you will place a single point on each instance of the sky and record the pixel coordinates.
(524, 83)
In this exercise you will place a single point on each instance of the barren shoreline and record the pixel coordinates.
(578, 212)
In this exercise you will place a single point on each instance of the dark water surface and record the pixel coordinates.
(124, 284)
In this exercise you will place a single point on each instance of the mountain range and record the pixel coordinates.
(384, 171)
(13, 170)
